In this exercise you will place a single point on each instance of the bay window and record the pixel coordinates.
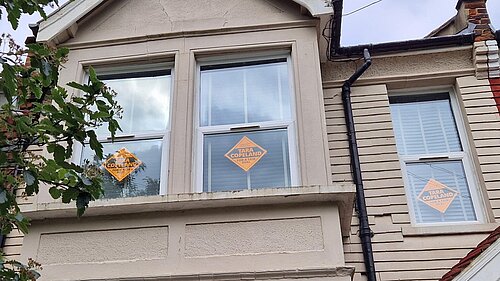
(135, 164)
(439, 181)
(246, 126)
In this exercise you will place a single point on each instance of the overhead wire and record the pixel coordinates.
(362, 8)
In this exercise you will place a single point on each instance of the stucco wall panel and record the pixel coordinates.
(136, 18)
(399, 65)
(112, 245)
(253, 237)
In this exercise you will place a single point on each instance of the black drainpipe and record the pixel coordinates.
(365, 233)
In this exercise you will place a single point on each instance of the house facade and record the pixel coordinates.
(235, 160)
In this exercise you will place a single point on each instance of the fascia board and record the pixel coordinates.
(64, 18)
(317, 8)
(480, 262)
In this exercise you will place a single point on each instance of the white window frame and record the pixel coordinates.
(464, 156)
(120, 137)
(289, 125)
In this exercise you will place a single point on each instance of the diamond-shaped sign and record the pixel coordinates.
(121, 164)
(437, 195)
(245, 154)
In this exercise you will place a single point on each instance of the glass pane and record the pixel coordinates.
(143, 181)
(247, 160)
(145, 102)
(245, 94)
(425, 127)
(439, 192)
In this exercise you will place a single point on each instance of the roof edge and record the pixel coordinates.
(409, 45)
(65, 17)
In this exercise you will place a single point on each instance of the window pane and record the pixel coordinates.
(445, 198)
(245, 94)
(236, 161)
(143, 181)
(425, 127)
(145, 102)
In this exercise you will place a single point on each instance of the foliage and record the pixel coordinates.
(15, 8)
(39, 124)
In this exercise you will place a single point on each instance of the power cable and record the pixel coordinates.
(362, 8)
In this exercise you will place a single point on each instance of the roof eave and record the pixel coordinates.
(406, 46)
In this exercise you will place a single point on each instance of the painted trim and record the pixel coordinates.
(479, 263)
(67, 16)
(341, 195)
(64, 18)
(465, 157)
(288, 125)
(299, 273)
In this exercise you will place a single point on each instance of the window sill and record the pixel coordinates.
(474, 228)
(341, 195)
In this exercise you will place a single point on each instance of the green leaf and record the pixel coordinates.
(23, 226)
(82, 202)
(95, 145)
(93, 75)
(62, 173)
(59, 154)
(69, 194)
(101, 114)
(81, 87)
(9, 81)
(55, 193)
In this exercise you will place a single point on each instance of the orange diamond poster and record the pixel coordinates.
(121, 164)
(437, 195)
(245, 154)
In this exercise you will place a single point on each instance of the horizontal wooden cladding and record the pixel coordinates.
(400, 257)
(13, 244)
(413, 275)
(411, 270)
(421, 243)
(417, 256)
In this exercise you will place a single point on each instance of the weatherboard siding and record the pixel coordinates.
(484, 121)
(401, 254)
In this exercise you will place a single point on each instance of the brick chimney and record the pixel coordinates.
(474, 11)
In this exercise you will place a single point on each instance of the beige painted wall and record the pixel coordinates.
(284, 240)
(402, 250)
(298, 39)
(214, 241)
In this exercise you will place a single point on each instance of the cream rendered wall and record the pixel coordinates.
(280, 30)
(281, 241)
(403, 251)
(228, 240)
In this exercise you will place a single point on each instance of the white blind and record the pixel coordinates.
(425, 125)
(272, 170)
